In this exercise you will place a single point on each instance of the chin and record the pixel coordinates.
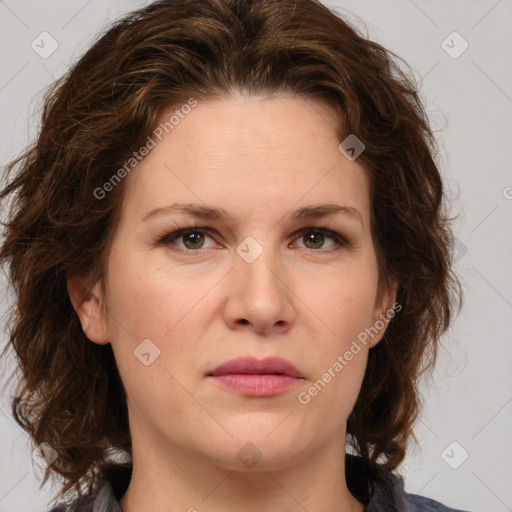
(253, 449)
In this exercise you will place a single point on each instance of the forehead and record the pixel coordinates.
(248, 155)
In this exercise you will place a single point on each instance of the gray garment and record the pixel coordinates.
(377, 487)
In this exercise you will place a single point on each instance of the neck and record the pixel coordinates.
(180, 480)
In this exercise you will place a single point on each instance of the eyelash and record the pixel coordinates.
(169, 237)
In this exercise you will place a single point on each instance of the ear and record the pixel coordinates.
(384, 310)
(88, 308)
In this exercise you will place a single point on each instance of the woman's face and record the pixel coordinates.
(259, 282)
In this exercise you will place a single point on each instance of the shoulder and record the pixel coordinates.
(416, 503)
(112, 484)
(104, 500)
(76, 506)
(83, 505)
(382, 490)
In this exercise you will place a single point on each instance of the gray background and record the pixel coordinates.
(469, 101)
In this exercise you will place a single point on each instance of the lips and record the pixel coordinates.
(253, 366)
(256, 378)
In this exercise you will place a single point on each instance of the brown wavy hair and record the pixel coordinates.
(69, 392)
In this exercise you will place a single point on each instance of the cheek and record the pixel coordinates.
(343, 301)
(343, 309)
(149, 298)
(340, 356)
(149, 302)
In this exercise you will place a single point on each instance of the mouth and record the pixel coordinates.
(253, 366)
(256, 378)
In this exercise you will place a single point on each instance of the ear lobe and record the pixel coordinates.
(87, 305)
(384, 305)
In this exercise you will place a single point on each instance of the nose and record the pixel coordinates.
(259, 298)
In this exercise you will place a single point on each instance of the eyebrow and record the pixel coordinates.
(207, 213)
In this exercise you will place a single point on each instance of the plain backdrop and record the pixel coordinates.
(464, 457)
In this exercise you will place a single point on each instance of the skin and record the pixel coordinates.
(260, 159)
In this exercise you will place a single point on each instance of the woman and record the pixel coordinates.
(230, 253)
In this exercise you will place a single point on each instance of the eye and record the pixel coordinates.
(315, 237)
(193, 238)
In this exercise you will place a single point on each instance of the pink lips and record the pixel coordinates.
(254, 377)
